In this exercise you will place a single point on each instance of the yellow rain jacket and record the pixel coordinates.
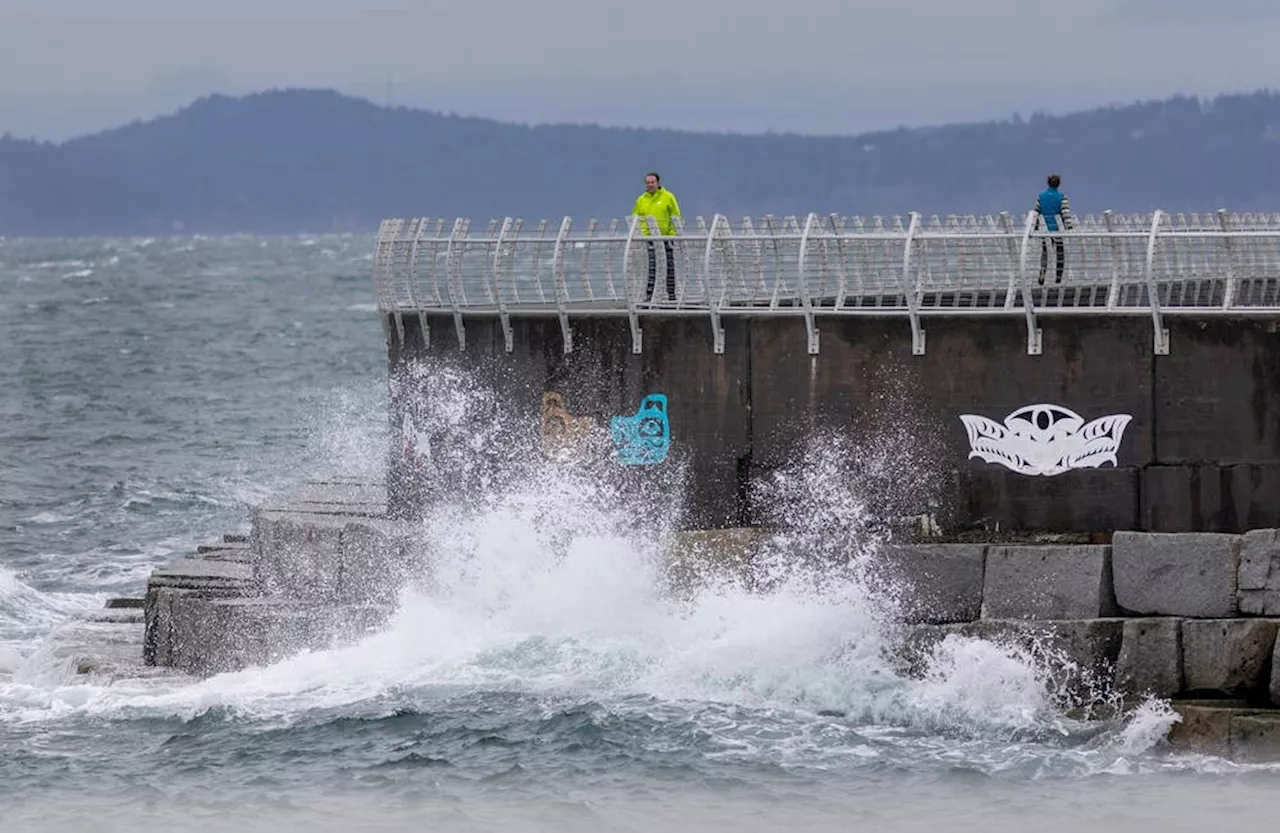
(661, 205)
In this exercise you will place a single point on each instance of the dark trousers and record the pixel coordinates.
(653, 270)
(1060, 249)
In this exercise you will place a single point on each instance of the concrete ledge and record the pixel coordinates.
(1150, 660)
(934, 583)
(1081, 653)
(1167, 574)
(1228, 656)
(1048, 582)
(1259, 575)
(215, 635)
(1229, 729)
(297, 554)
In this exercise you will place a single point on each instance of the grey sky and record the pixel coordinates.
(74, 66)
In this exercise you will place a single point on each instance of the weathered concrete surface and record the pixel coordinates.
(933, 583)
(1047, 582)
(298, 554)
(1259, 576)
(1228, 656)
(1080, 654)
(1159, 574)
(697, 557)
(1191, 459)
(865, 381)
(218, 635)
(707, 396)
(1217, 393)
(1211, 497)
(1227, 728)
(377, 558)
(1150, 659)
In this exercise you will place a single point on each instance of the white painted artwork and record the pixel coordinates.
(1046, 439)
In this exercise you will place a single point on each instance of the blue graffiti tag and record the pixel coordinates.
(642, 439)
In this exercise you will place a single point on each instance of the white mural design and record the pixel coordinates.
(1045, 439)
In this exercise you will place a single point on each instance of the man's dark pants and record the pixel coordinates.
(653, 270)
(1060, 250)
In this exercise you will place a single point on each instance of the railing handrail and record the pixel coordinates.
(914, 266)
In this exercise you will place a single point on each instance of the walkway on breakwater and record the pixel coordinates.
(1158, 264)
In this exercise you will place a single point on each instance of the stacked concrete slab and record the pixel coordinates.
(317, 570)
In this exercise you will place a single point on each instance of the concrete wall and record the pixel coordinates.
(1201, 452)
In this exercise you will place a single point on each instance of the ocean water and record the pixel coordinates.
(151, 390)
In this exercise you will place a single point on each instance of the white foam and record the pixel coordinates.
(551, 580)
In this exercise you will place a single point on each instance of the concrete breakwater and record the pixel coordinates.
(1190, 617)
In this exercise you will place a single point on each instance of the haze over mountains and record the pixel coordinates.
(317, 161)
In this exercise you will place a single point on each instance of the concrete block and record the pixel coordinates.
(378, 558)
(215, 635)
(1047, 582)
(1150, 660)
(1081, 500)
(1259, 602)
(297, 554)
(1255, 737)
(1078, 654)
(1231, 656)
(1162, 574)
(934, 583)
(1259, 550)
(1082, 652)
(1205, 729)
(1275, 675)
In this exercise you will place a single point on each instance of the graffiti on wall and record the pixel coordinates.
(643, 438)
(1046, 439)
(562, 433)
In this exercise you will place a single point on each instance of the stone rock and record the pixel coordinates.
(378, 558)
(1275, 674)
(934, 583)
(1231, 656)
(213, 636)
(1255, 737)
(1259, 549)
(1150, 660)
(1048, 582)
(1204, 728)
(1079, 655)
(1259, 574)
(1184, 574)
(298, 554)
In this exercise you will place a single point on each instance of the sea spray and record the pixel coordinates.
(550, 577)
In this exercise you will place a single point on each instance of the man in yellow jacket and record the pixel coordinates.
(660, 204)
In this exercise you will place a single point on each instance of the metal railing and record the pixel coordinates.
(1155, 264)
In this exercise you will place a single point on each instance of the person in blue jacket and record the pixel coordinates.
(1053, 206)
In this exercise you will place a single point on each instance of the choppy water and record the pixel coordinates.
(153, 389)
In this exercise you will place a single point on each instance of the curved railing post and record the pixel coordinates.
(504, 316)
(1113, 244)
(1229, 287)
(1153, 291)
(452, 263)
(908, 291)
(713, 302)
(1034, 343)
(811, 327)
(558, 284)
(628, 292)
(1006, 225)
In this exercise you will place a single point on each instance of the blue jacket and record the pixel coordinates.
(1052, 204)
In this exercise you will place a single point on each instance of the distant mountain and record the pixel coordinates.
(307, 160)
